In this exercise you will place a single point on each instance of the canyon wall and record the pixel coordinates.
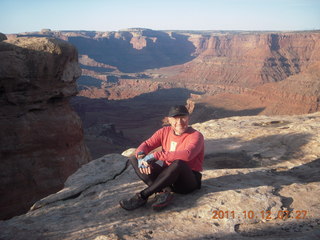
(277, 71)
(135, 50)
(246, 59)
(41, 136)
(206, 62)
(222, 73)
(251, 59)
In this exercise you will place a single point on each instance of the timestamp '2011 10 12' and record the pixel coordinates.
(268, 215)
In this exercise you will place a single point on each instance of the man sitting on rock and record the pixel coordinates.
(176, 168)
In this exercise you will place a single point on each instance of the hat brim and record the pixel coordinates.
(179, 115)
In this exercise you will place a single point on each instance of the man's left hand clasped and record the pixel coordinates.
(143, 163)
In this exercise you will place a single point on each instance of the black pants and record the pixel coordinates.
(178, 176)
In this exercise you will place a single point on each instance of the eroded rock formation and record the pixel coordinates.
(275, 72)
(251, 59)
(230, 73)
(256, 170)
(41, 136)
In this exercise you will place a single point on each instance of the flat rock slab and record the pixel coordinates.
(274, 196)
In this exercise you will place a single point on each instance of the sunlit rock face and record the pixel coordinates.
(262, 72)
(41, 136)
(276, 71)
(222, 73)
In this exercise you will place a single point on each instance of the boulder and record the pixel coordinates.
(2, 37)
(41, 136)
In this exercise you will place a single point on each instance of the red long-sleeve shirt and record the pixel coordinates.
(188, 147)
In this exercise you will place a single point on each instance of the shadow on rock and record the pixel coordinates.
(306, 173)
(259, 152)
(165, 51)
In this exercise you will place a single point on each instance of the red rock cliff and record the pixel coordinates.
(41, 136)
(249, 60)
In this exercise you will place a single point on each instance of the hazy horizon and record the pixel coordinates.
(183, 15)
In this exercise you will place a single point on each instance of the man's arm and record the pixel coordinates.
(150, 144)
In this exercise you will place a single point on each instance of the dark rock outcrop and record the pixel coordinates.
(2, 37)
(41, 136)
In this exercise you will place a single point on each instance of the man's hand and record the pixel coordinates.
(149, 158)
(143, 163)
(144, 167)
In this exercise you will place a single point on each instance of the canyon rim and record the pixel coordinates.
(129, 79)
(222, 73)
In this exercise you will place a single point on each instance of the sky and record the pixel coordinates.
(19, 16)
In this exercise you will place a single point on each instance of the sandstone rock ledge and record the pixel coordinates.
(253, 165)
(41, 136)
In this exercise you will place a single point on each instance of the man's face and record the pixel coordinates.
(179, 124)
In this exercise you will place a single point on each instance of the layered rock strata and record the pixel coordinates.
(41, 136)
(260, 181)
(251, 59)
(275, 72)
(232, 73)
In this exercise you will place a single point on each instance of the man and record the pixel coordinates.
(175, 168)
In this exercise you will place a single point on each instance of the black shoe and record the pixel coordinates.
(162, 200)
(135, 202)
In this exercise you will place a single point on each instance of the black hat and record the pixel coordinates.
(178, 110)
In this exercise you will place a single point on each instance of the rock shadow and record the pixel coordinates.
(146, 110)
(160, 50)
(268, 175)
(274, 149)
(203, 113)
(85, 82)
(305, 173)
